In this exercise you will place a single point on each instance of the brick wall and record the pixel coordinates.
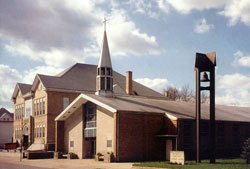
(55, 107)
(105, 131)
(137, 137)
(73, 132)
(228, 141)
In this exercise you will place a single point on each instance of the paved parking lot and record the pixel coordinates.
(11, 160)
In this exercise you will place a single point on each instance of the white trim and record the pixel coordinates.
(82, 98)
(171, 116)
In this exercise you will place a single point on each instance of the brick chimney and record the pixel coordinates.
(129, 89)
(166, 93)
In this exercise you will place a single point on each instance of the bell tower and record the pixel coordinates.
(104, 78)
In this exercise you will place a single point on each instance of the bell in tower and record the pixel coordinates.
(104, 78)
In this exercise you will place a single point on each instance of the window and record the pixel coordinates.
(98, 71)
(43, 134)
(102, 83)
(43, 105)
(71, 143)
(35, 108)
(108, 71)
(65, 102)
(40, 131)
(23, 109)
(220, 135)
(109, 143)
(40, 104)
(90, 120)
(103, 70)
(108, 83)
(188, 135)
(236, 134)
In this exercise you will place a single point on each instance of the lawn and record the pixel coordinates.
(220, 164)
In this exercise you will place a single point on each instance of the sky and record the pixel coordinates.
(157, 40)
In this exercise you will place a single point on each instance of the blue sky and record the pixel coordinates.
(157, 40)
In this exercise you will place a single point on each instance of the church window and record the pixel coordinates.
(103, 71)
(108, 83)
(108, 71)
(102, 83)
(90, 120)
(220, 135)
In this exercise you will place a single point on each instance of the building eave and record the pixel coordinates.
(81, 99)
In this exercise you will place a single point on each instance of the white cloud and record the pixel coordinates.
(8, 79)
(156, 84)
(236, 88)
(29, 75)
(185, 6)
(61, 33)
(163, 6)
(145, 7)
(241, 60)
(125, 38)
(203, 26)
(237, 10)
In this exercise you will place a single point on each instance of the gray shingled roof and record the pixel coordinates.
(25, 88)
(3, 110)
(82, 77)
(185, 110)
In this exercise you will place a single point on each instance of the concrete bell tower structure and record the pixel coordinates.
(104, 78)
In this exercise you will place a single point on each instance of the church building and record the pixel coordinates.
(88, 110)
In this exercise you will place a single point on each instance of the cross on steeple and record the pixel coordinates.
(104, 21)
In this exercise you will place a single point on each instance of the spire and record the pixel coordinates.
(104, 60)
(104, 78)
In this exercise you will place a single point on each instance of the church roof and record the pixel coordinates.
(105, 60)
(82, 78)
(173, 109)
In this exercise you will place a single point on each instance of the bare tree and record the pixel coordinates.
(183, 94)
(186, 93)
(172, 93)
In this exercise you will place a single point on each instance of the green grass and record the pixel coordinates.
(220, 164)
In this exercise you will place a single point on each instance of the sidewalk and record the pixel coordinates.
(11, 160)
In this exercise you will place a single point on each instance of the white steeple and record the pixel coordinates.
(104, 78)
(105, 60)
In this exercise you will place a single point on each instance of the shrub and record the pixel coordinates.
(246, 151)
